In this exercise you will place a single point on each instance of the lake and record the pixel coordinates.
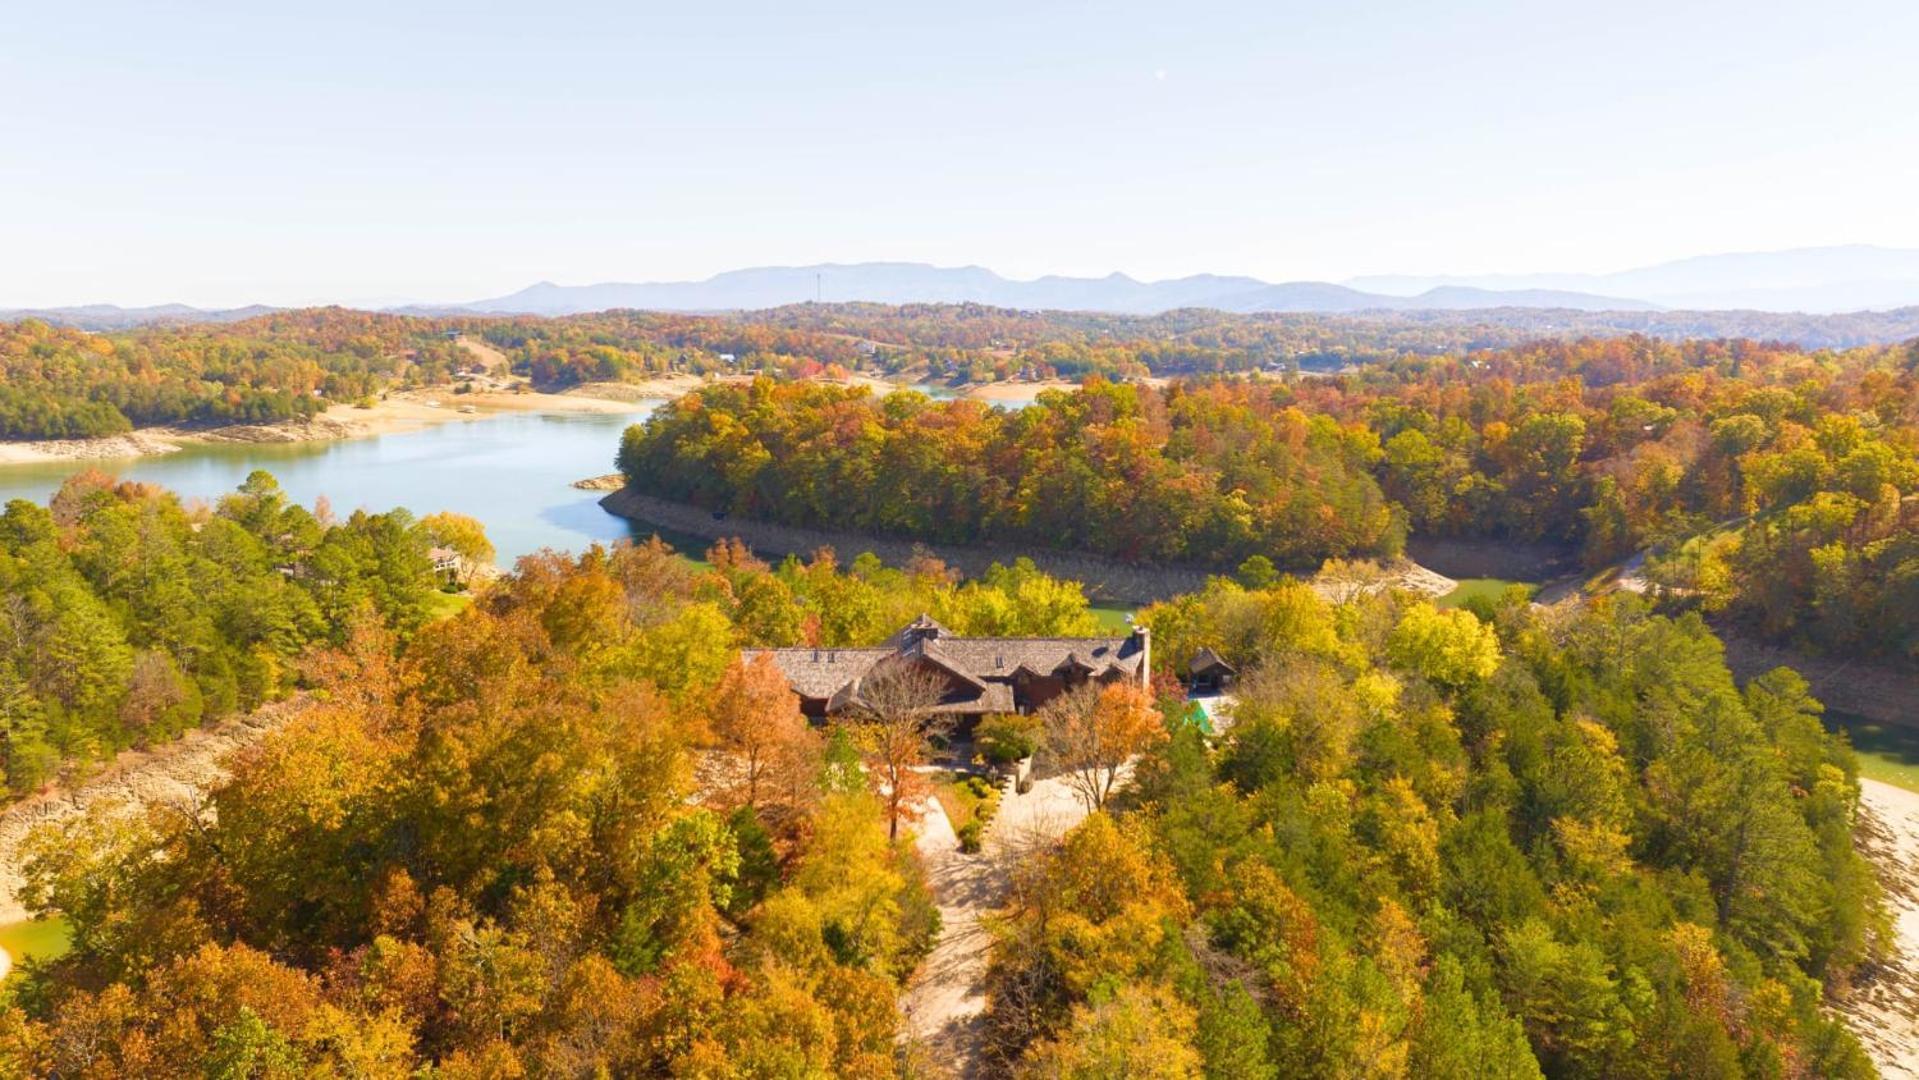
(513, 472)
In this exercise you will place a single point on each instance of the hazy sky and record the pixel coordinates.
(286, 152)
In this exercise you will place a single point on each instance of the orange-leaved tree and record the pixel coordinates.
(1094, 731)
(756, 716)
(895, 717)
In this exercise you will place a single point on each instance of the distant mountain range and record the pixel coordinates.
(1814, 281)
(1856, 277)
(918, 283)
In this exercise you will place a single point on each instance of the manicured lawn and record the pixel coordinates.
(1887, 752)
(1112, 620)
(1485, 587)
(445, 605)
(39, 939)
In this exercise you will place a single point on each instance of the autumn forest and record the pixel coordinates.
(569, 820)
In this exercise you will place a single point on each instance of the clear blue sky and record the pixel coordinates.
(286, 152)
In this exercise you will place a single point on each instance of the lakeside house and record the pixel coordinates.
(445, 560)
(981, 675)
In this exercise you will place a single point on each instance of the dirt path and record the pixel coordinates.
(493, 359)
(944, 1006)
(178, 773)
(1883, 1008)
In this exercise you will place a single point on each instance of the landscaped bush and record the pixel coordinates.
(1006, 738)
(987, 794)
(970, 803)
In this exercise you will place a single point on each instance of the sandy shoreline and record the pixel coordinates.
(1883, 1006)
(412, 410)
(1014, 391)
(397, 413)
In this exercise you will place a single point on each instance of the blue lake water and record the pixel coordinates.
(513, 472)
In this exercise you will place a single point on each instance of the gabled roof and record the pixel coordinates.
(1206, 660)
(1073, 662)
(931, 651)
(819, 673)
(984, 665)
(1001, 657)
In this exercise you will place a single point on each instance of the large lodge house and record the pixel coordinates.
(982, 675)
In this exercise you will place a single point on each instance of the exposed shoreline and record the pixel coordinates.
(406, 411)
(1882, 1008)
(175, 773)
(1105, 580)
(1000, 392)
(413, 410)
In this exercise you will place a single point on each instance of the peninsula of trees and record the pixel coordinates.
(129, 617)
(1769, 482)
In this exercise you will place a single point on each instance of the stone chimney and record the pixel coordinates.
(1145, 638)
(921, 629)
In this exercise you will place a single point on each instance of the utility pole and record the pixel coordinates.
(819, 289)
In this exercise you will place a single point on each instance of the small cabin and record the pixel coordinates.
(1209, 673)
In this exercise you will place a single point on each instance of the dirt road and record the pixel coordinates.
(944, 1006)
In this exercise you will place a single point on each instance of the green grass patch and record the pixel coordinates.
(445, 605)
(1888, 753)
(1112, 620)
(1483, 588)
(36, 939)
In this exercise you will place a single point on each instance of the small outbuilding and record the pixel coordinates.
(1209, 673)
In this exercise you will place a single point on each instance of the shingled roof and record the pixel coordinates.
(988, 665)
(1207, 660)
(820, 673)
